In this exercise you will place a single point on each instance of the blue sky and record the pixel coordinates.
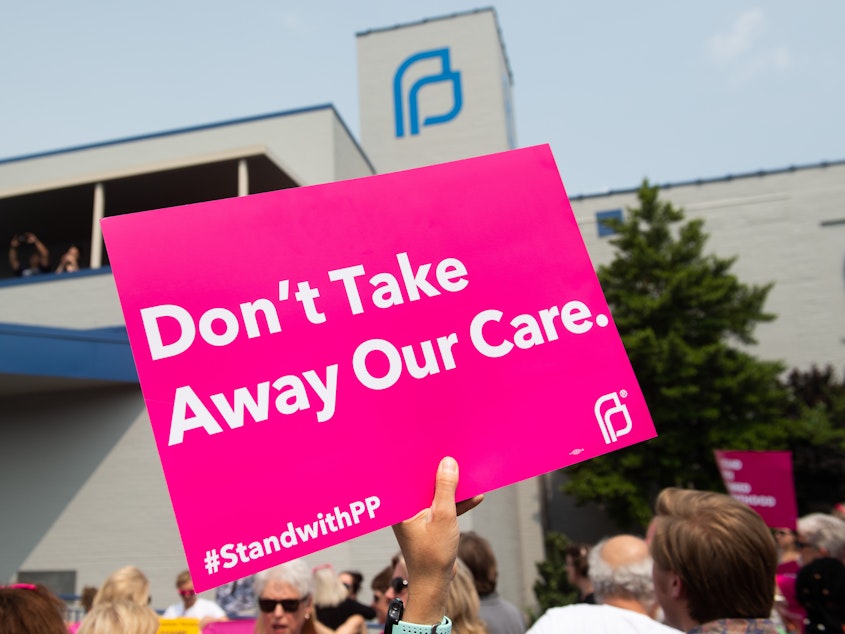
(672, 91)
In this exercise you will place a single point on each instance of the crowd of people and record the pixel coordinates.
(29, 256)
(708, 565)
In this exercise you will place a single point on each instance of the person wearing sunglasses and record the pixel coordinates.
(398, 588)
(193, 606)
(284, 595)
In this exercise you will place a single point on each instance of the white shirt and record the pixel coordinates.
(201, 609)
(583, 618)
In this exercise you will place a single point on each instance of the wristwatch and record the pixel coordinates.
(395, 624)
(444, 627)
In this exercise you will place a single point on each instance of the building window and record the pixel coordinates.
(61, 582)
(602, 216)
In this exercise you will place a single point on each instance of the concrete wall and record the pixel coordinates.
(63, 302)
(90, 496)
(58, 450)
(778, 226)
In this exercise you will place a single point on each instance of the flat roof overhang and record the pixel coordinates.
(39, 359)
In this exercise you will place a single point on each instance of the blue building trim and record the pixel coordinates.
(456, 14)
(715, 179)
(100, 353)
(155, 135)
(198, 128)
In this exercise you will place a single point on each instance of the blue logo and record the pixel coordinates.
(446, 74)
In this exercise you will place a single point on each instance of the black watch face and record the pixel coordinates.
(395, 610)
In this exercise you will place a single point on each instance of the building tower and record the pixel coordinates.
(434, 91)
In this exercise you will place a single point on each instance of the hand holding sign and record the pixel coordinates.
(429, 542)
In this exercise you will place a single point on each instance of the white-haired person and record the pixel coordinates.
(821, 535)
(285, 596)
(285, 599)
(621, 574)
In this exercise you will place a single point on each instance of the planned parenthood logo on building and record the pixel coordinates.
(411, 105)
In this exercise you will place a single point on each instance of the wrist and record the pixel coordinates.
(443, 626)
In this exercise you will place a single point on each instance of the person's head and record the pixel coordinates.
(352, 580)
(577, 566)
(477, 554)
(26, 607)
(398, 588)
(463, 604)
(87, 597)
(821, 535)
(185, 588)
(714, 558)
(621, 571)
(379, 586)
(284, 597)
(126, 617)
(820, 589)
(785, 539)
(125, 584)
(329, 590)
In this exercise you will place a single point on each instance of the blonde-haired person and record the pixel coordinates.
(126, 617)
(193, 606)
(463, 604)
(124, 584)
(334, 608)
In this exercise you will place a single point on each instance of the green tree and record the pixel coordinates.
(686, 322)
(552, 588)
(816, 437)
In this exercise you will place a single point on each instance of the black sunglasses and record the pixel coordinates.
(288, 605)
(398, 584)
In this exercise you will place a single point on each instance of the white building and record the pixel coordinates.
(82, 490)
(785, 226)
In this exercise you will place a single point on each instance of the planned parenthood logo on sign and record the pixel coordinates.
(410, 107)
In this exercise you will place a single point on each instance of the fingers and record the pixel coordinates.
(446, 483)
(468, 505)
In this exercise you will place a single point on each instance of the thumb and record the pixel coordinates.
(446, 483)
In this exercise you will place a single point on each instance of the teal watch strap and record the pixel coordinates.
(444, 627)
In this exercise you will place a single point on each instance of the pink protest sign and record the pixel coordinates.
(308, 356)
(762, 480)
